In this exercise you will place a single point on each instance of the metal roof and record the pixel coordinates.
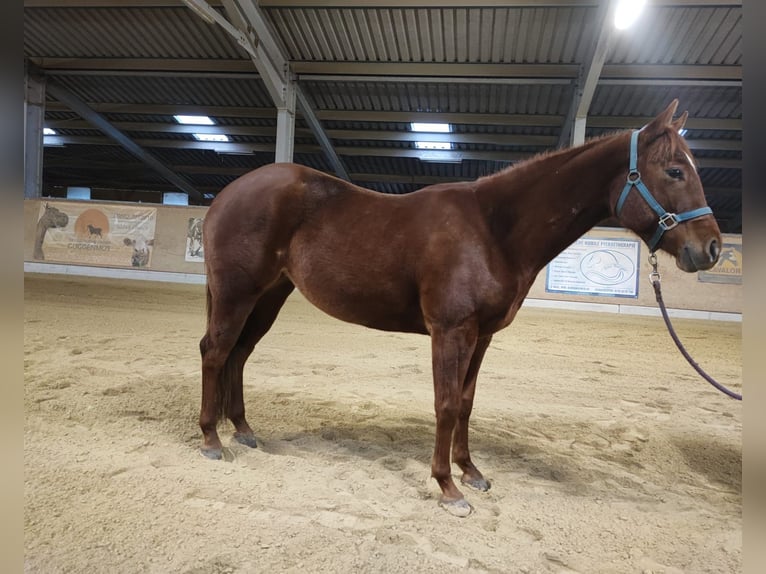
(506, 74)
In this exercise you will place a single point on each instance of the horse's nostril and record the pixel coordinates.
(715, 250)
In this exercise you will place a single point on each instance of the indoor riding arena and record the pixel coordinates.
(605, 450)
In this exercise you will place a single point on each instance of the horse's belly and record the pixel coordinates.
(379, 303)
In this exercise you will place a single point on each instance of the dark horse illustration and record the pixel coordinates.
(51, 217)
(453, 261)
(94, 231)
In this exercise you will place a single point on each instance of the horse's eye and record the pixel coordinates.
(675, 173)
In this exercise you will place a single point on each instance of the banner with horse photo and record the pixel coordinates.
(194, 249)
(95, 234)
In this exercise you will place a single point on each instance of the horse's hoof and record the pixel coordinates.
(212, 453)
(459, 507)
(477, 483)
(246, 439)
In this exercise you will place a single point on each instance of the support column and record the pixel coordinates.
(286, 126)
(578, 130)
(34, 115)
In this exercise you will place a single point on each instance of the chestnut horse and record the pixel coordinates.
(453, 261)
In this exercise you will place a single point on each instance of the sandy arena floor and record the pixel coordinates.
(606, 452)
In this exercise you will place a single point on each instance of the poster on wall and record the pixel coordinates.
(194, 250)
(596, 266)
(729, 266)
(93, 234)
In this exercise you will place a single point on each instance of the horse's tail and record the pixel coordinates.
(208, 303)
(223, 385)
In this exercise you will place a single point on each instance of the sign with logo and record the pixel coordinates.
(729, 266)
(596, 266)
(93, 234)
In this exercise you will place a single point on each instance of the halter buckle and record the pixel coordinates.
(634, 177)
(668, 221)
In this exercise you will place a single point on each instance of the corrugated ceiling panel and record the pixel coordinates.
(682, 35)
(518, 35)
(719, 102)
(181, 90)
(124, 33)
(717, 177)
(426, 97)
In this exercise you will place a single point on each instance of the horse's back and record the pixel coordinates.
(359, 255)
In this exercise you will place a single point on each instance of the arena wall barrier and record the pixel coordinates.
(606, 270)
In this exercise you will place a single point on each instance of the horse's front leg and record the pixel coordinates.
(460, 454)
(451, 350)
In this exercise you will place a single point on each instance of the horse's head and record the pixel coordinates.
(55, 217)
(662, 200)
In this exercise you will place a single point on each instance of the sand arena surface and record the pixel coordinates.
(606, 452)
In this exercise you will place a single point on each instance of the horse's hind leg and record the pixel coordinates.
(460, 454)
(259, 322)
(225, 323)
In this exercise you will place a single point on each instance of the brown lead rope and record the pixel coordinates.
(654, 277)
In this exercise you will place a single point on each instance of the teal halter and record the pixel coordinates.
(667, 220)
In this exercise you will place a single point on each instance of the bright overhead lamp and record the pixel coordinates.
(49, 132)
(194, 120)
(627, 12)
(211, 137)
(682, 132)
(430, 127)
(433, 145)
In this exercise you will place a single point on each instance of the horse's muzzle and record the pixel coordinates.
(695, 257)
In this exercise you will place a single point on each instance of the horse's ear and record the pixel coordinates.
(679, 123)
(658, 125)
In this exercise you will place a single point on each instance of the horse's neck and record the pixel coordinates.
(43, 224)
(539, 208)
(42, 228)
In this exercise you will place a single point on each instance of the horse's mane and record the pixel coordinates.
(563, 153)
(667, 147)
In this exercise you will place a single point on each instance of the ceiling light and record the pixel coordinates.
(49, 132)
(440, 156)
(627, 12)
(433, 145)
(211, 137)
(195, 120)
(427, 127)
(682, 132)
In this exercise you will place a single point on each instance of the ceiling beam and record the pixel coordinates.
(369, 135)
(609, 71)
(592, 72)
(136, 72)
(253, 33)
(573, 128)
(610, 122)
(108, 3)
(360, 5)
(358, 71)
(478, 3)
(321, 135)
(230, 171)
(250, 148)
(142, 64)
(270, 66)
(632, 122)
(268, 131)
(96, 119)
